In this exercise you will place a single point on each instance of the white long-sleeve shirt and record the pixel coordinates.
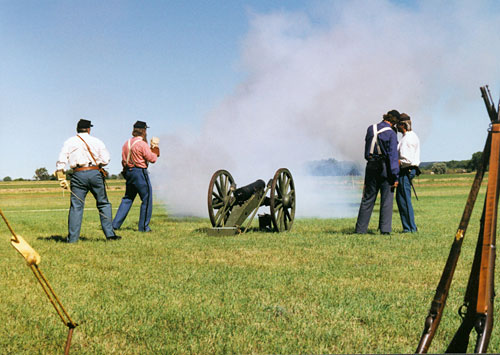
(75, 153)
(409, 150)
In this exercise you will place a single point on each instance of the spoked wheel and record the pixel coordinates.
(282, 201)
(219, 197)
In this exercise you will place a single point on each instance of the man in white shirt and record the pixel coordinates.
(85, 155)
(409, 160)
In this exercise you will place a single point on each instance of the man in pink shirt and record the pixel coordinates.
(136, 156)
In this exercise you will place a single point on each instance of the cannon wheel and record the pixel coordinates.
(219, 196)
(282, 201)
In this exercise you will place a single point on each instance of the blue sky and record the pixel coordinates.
(113, 62)
(182, 65)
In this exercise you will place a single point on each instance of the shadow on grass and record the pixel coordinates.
(351, 230)
(61, 239)
(210, 232)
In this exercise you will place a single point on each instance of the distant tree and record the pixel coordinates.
(475, 161)
(439, 168)
(113, 176)
(458, 164)
(41, 174)
(7, 178)
(332, 167)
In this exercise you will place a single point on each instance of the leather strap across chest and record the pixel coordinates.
(130, 145)
(375, 142)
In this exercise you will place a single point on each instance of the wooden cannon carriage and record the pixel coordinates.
(229, 207)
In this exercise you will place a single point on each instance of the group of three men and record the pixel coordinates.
(390, 166)
(87, 155)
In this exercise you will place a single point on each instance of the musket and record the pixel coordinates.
(488, 101)
(460, 340)
(480, 292)
(439, 302)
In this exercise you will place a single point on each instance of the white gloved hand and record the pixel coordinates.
(64, 184)
(61, 176)
(155, 142)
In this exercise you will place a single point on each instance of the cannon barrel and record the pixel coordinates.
(244, 193)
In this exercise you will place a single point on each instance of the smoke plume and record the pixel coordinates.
(315, 81)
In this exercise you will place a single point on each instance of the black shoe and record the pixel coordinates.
(114, 237)
(385, 233)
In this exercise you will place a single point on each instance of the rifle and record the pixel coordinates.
(488, 101)
(460, 340)
(480, 288)
(484, 324)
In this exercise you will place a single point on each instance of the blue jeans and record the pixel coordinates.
(403, 199)
(81, 183)
(137, 183)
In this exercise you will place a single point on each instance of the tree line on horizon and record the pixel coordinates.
(333, 167)
(324, 167)
(42, 174)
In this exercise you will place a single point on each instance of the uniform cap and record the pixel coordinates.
(404, 117)
(394, 113)
(140, 124)
(392, 116)
(84, 124)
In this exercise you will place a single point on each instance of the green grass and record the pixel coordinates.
(317, 289)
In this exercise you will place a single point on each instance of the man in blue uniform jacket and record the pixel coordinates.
(382, 170)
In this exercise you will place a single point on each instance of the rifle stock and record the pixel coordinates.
(479, 296)
(461, 338)
(439, 302)
(486, 292)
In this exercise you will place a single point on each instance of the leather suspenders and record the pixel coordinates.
(130, 151)
(375, 139)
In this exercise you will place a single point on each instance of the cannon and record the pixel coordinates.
(229, 207)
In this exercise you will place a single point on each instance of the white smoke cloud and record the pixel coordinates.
(315, 81)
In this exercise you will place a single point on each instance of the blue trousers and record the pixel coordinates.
(375, 180)
(403, 199)
(81, 183)
(137, 183)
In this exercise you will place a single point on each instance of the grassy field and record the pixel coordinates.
(317, 289)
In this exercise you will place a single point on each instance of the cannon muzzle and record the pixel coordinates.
(244, 193)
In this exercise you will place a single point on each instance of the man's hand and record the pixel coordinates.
(61, 176)
(155, 141)
(64, 184)
(155, 148)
